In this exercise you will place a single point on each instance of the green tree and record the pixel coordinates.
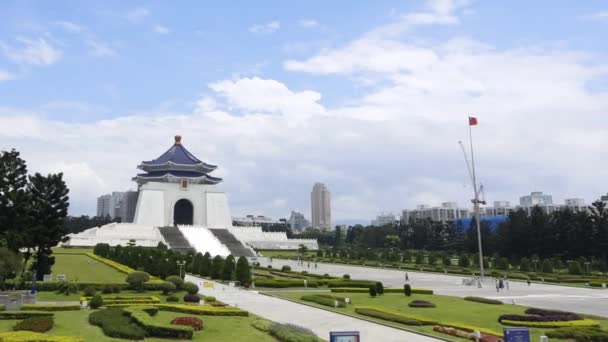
(502, 263)
(14, 199)
(205, 268)
(49, 207)
(243, 271)
(525, 265)
(216, 267)
(137, 280)
(197, 263)
(463, 261)
(547, 266)
(10, 264)
(302, 249)
(228, 269)
(575, 268)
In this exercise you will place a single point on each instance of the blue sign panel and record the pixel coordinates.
(344, 336)
(517, 334)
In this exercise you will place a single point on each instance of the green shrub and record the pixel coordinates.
(387, 290)
(351, 283)
(30, 336)
(379, 288)
(24, 314)
(262, 324)
(463, 261)
(157, 329)
(210, 299)
(167, 287)
(2, 307)
(483, 300)
(547, 266)
(346, 276)
(285, 268)
(37, 324)
(137, 280)
(192, 298)
(107, 289)
(114, 323)
(96, 302)
(177, 281)
(66, 288)
(292, 333)
(418, 303)
(407, 290)
(191, 288)
(372, 291)
(589, 334)
(89, 291)
(578, 323)
(172, 299)
(38, 307)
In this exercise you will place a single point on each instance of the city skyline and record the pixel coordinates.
(372, 100)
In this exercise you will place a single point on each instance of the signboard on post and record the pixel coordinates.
(61, 277)
(47, 277)
(344, 336)
(517, 334)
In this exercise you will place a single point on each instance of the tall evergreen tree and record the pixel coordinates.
(14, 199)
(205, 269)
(216, 267)
(229, 268)
(243, 271)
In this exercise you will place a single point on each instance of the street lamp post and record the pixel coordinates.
(181, 264)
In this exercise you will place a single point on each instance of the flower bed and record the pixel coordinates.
(156, 329)
(579, 334)
(365, 284)
(195, 323)
(35, 324)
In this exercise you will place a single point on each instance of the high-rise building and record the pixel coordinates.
(536, 198)
(320, 203)
(446, 212)
(298, 222)
(103, 205)
(126, 207)
(384, 220)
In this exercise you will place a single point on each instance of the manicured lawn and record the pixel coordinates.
(81, 268)
(72, 250)
(49, 296)
(216, 328)
(449, 309)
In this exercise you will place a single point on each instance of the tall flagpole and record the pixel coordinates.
(476, 204)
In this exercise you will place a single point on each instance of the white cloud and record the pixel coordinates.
(600, 15)
(308, 23)
(100, 49)
(6, 76)
(32, 51)
(70, 26)
(161, 29)
(269, 27)
(137, 14)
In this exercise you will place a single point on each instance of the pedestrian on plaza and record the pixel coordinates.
(478, 283)
(501, 284)
(497, 287)
(315, 265)
(507, 283)
(528, 281)
(407, 277)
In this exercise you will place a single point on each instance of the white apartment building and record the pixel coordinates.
(383, 220)
(446, 212)
(297, 221)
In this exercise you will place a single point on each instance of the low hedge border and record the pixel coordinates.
(417, 303)
(278, 283)
(325, 300)
(36, 307)
(119, 267)
(126, 300)
(470, 328)
(23, 314)
(393, 316)
(156, 329)
(562, 324)
(351, 283)
(2, 307)
(23, 336)
(203, 310)
(386, 290)
(579, 334)
(483, 300)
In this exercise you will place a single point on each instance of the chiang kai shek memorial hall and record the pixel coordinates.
(181, 205)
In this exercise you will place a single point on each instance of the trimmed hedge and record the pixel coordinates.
(285, 283)
(579, 334)
(29, 336)
(203, 310)
(126, 300)
(292, 333)
(483, 300)
(37, 307)
(114, 323)
(325, 300)
(393, 316)
(417, 303)
(351, 283)
(23, 314)
(120, 267)
(564, 315)
(36, 324)
(386, 290)
(2, 307)
(470, 328)
(553, 324)
(156, 329)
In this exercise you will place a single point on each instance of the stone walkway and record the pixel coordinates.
(577, 299)
(321, 322)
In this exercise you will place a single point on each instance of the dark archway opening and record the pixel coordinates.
(183, 212)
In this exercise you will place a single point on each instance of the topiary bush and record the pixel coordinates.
(96, 302)
(418, 303)
(172, 299)
(285, 268)
(346, 276)
(190, 287)
(114, 323)
(587, 334)
(292, 333)
(372, 291)
(177, 281)
(379, 288)
(36, 324)
(407, 290)
(192, 298)
(210, 299)
(137, 280)
(167, 287)
(67, 288)
(107, 289)
(89, 291)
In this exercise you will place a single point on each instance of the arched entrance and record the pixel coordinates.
(183, 212)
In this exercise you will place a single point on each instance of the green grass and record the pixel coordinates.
(81, 268)
(216, 328)
(50, 296)
(449, 309)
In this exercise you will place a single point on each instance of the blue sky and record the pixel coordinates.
(368, 97)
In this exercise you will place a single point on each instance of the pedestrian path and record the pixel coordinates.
(321, 322)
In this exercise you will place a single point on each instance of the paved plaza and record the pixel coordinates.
(578, 299)
(321, 322)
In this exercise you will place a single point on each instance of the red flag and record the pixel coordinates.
(472, 121)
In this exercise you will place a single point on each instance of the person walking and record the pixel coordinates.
(407, 277)
(501, 284)
(507, 284)
(315, 265)
(497, 287)
(528, 281)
